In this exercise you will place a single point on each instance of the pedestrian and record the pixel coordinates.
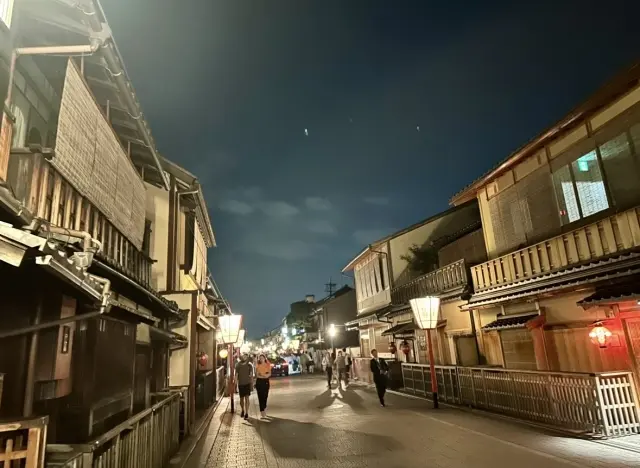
(244, 378)
(311, 364)
(348, 361)
(304, 363)
(327, 364)
(379, 369)
(341, 367)
(263, 372)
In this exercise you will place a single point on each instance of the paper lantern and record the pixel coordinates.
(426, 311)
(600, 335)
(229, 328)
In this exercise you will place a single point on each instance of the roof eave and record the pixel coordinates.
(355, 260)
(601, 98)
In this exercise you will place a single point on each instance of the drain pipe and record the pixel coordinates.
(88, 242)
(45, 50)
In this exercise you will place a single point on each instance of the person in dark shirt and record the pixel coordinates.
(379, 369)
(244, 376)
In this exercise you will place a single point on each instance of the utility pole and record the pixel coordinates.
(330, 288)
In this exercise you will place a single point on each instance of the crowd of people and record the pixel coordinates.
(255, 371)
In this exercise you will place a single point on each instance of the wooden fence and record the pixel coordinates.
(603, 404)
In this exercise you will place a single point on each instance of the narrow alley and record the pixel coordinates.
(310, 426)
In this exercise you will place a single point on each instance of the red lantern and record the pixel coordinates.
(392, 348)
(406, 349)
(600, 335)
(203, 358)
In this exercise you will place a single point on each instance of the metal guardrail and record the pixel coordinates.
(602, 403)
(449, 277)
(22, 442)
(147, 440)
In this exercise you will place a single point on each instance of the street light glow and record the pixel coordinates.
(332, 330)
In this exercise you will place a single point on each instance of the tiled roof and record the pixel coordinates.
(478, 301)
(170, 306)
(400, 329)
(503, 323)
(628, 291)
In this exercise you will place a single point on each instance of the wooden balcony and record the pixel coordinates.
(598, 240)
(450, 278)
(46, 194)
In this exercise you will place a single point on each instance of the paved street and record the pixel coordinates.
(309, 426)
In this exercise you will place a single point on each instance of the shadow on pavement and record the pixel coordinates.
(324, 400)
(352, 399)
(310, 441)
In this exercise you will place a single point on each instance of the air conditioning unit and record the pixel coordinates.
(53, 365)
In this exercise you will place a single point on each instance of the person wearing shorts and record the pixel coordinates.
(244, 377)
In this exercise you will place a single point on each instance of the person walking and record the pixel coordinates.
(327, 364)
(263, 373)
(348, 361)
(379, 369)
(244, 376)
(341, 368)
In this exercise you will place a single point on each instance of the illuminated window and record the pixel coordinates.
(580, 189)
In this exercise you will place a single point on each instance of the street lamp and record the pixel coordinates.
(332, 333)
(426, 311)
(229, 334)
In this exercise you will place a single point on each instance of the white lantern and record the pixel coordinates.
(426, 311)
(229, 328)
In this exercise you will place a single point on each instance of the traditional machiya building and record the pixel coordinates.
(180, 235)
(561, 228)
(106, 302)
(385, 281)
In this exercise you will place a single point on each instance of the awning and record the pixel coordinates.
(18, 246)
(133, 289)
(626, 292)
(176, 340)
(506, 322)
(205, 323)
(616, 268)
(400, 329)
(116, 308)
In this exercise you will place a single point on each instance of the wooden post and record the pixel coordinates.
(232, 387)
(432, 368)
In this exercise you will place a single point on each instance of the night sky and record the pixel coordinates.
(404, 103)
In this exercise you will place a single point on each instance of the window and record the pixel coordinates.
(590, 185)
(580, 188)
(621, 168)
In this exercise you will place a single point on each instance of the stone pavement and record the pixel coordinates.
(309, 426)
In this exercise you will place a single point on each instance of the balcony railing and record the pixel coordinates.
(147, 440)
(604, 237)
(603, 404)
(447, 278)
(45, 193)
